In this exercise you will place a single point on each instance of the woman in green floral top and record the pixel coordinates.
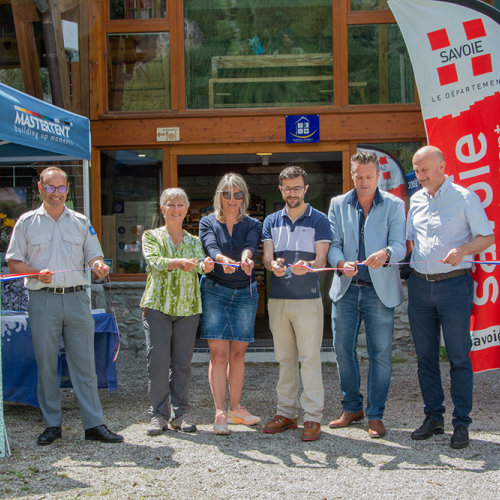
(172, 308)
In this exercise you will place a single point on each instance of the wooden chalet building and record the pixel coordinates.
(180, 92)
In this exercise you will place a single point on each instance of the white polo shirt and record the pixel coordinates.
(68, 243)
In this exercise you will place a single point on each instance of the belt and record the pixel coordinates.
(61, 290)
(361, 283)
(441, 276)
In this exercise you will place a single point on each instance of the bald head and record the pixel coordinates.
(429, 165)
(429, 151)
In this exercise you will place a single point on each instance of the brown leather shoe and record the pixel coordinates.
(311, 431)
(346, 418)
(279, 424)
(376, 429)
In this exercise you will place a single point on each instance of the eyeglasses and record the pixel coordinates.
(296, 189)
(52, 189)
(239, 195)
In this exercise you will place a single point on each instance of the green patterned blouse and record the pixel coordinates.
(171, 292)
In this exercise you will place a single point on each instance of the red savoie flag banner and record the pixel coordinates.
(454, 47)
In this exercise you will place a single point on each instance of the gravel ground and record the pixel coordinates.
(344, 463)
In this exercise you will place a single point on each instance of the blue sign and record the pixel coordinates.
(302, 128)
(40, 125)
(412, 183)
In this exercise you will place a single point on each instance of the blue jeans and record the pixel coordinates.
(448, 304)
(362, 303)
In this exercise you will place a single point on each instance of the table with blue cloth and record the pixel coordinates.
(20, 377)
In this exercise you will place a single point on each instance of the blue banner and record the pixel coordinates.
(302, 128)
(36, 124)
(412, 183)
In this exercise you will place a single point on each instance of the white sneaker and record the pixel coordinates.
(242, 416)
(220, 424)
(157, 426)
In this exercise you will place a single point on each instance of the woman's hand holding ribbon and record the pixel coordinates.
(247, 266)
(186, 265)
(207, 265)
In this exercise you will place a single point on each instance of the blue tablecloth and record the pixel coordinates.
(20, 376)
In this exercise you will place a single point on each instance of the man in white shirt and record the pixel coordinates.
(55, 238)
(447, 226)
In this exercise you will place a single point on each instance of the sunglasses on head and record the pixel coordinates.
(52, 189)
(237, 196)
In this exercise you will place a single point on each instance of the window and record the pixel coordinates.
(137, 9)
(131, 183)
(139, 72)
(380, 70)
(256, 53)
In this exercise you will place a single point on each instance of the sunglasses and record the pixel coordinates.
(237, 196)
(52, 189)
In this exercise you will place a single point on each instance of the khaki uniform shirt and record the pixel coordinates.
(42, 243)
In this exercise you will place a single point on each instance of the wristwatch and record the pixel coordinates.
(388, 251)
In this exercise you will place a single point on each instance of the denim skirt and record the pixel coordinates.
(228, 313)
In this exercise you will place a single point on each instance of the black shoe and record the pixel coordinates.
(102, 433)
(428, 429)
(49, 435)
(460, 438)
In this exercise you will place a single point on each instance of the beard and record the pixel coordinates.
(293, 203)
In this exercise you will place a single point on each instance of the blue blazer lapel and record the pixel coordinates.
(353, 222)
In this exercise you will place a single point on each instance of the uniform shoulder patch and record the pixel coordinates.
(92, 230)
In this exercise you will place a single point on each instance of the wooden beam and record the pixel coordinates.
(83, 45)
(137, 26)
(65, 5)
(371, 17)
(175, 14)
(347, 182)
(55, 14)
(166, 168)
(349, 123)
(24, 12)
(171, 173)
(343, 54)
(97, 61)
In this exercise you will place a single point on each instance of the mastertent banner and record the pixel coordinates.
(39, 125)
(454, 47)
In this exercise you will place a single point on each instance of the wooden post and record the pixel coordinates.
(24, 12)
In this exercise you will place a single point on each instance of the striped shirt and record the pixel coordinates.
(294, 241)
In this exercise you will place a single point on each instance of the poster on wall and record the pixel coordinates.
(454, 47)
(132, 219)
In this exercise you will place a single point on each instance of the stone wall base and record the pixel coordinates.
(127, 297)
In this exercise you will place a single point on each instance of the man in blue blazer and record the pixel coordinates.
(368, 227)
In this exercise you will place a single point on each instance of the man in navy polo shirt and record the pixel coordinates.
(295, 237)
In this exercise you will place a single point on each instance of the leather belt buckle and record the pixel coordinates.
(59, 291)
(428, 279)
